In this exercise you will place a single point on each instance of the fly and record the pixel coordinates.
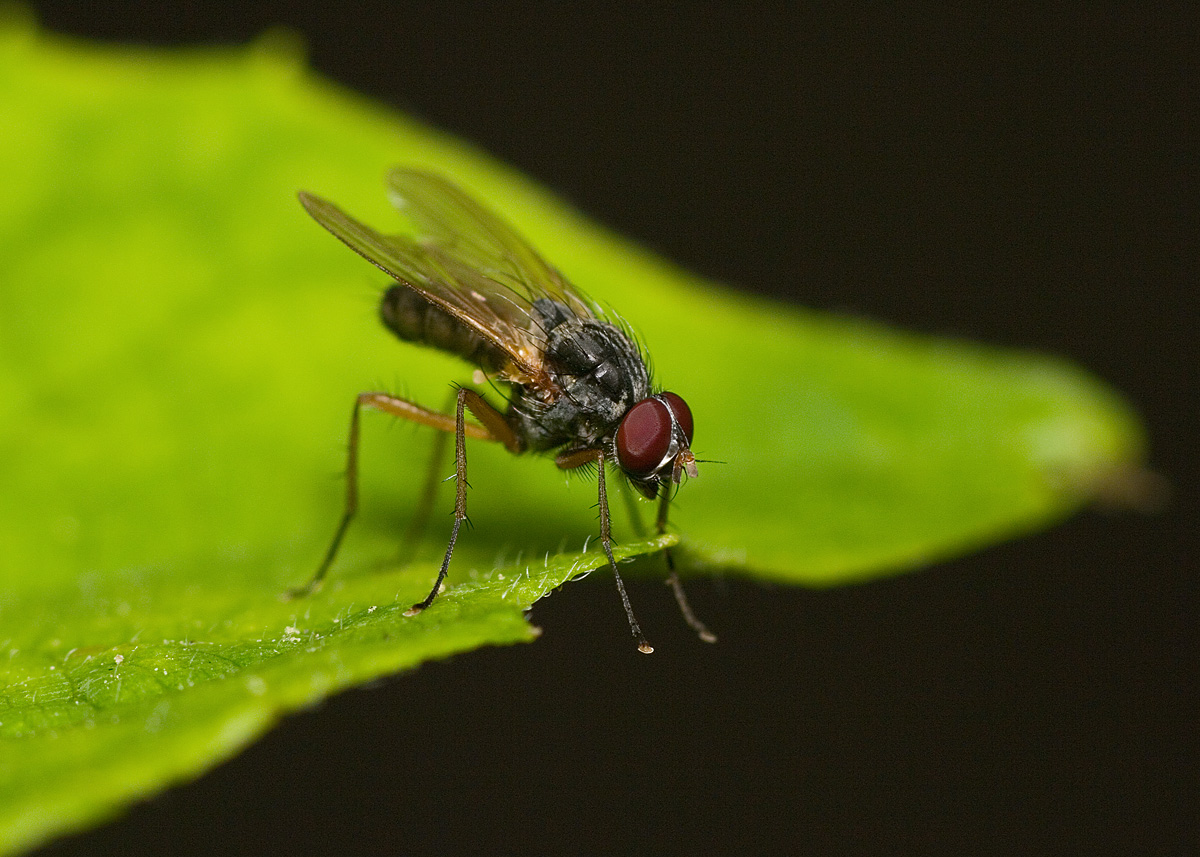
(578, 387)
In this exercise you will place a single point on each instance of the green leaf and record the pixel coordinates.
(179, 350)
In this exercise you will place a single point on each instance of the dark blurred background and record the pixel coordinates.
(1022, 178)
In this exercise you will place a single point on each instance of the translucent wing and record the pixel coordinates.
(476, 239)
(458, 266)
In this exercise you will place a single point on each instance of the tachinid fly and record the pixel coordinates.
(576, 383)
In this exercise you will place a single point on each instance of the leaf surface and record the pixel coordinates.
(179, 350)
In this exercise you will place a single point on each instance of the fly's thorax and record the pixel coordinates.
(597, 360)
(411, 317)
(598, 374)
(551, 313)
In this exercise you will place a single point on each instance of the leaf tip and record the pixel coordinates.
(1128, 488)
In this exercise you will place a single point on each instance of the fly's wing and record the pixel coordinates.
(453, 271)
(477, 239)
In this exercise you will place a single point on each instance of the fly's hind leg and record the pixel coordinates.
(411, 540)
(496, 429)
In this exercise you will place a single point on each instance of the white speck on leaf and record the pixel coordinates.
(256, 685)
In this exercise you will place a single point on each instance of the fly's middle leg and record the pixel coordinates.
(497, 429)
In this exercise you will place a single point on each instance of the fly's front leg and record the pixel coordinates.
(606, 543)
(397, 407)
(579, 458)
(673, 579)
(497, 429)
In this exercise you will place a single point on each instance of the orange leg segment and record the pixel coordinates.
(493, 427)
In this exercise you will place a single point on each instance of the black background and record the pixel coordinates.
(1020, 178)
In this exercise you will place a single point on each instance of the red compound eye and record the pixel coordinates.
(644, 437)
(683, 414)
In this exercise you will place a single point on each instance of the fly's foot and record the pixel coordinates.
(300, 591)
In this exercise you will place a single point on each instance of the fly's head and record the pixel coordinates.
(654, 443)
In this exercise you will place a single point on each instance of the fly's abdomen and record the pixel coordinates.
(414, 319)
